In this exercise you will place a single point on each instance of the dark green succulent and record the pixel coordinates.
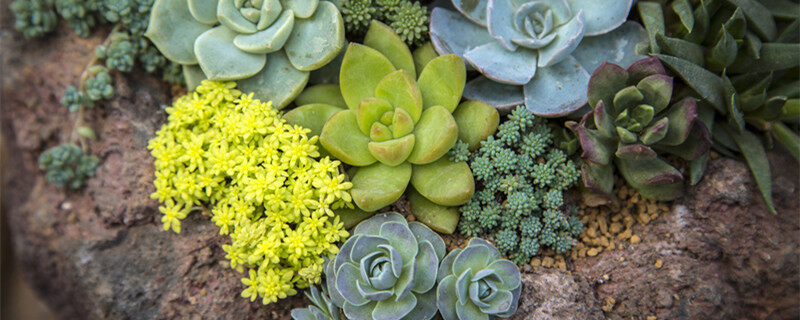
(740, 57)
(34, 18)
(68, 166)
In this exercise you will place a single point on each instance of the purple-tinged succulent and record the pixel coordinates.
(632, 122)
(387, 270)
(476, 284)
(536, 52)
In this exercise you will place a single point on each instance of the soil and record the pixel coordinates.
(99, 253)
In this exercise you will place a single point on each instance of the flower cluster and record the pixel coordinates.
(519, 201)
(223, 149)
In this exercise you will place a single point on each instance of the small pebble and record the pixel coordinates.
(659, 263)
(609, 304)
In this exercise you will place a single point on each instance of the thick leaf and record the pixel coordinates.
(317, 40)
(351, 217)
(373, 225)
(569, 37)
(653, 18)
(342, 138)
(402, 92)
(557, 90)
(392, 152)
(370, 111)
(423, 55)
(442, 82)
(177, 44)
(476, 121)
(501, 65)
(354, 312)
(204, 11)
(442, 219)
(268, 40)
(618, 47)
(774, 57)
(723, 53)
(221, 60)
(500, 24)
(323, 93)
(501, 96)
(596, 148)
(193, 76)
(302, 8)
(427, 265)
(782, 9)
(311, 116)
(436, 134)
(362, 70)
(657, 91)
(684, 11)
(644, 68)
(444, 182)
(604, 84)
(653, 178)
(425, 308)
(424, 234)
(474, 10)
(346, 277)
(382, 38)
(451, 32)
(379, 185)
(753, 151)
(278, 82)
(759, 19)
(602, 16)
(470, 311)
(788, 138)
(683, 49)
(598, 183)
(446, 298)
(708, 85)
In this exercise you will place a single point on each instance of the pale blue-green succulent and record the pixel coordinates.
(321, 308)
(536, 52)
(267, 46)
(476, 284)
(387, 270)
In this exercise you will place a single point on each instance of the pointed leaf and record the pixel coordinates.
(684, 11)
(436, 134)
(753, 151)
(758, 17)
(278, 82)
(598, 183)
(681, 48)
(705, 83)
(653, 18)
(362, 70)
(382, 38)
(774, 57)
(444, 182)
(787, 138)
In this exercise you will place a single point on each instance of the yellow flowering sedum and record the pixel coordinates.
(224, 150)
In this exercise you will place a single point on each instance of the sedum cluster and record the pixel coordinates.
(67, 165)
(225, 150)
(520, 197)
(407, 18)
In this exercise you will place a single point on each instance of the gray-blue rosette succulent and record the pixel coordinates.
(476, 284)
(536, 52)
(267, 46)
(387, 270)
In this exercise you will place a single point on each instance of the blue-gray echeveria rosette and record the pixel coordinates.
(267, 46)
(476, 284)
(536, 52)
(387, 270)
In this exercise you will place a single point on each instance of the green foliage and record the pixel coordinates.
(81, 15)
(321, 308)
(407, 18)
(67, 165)
(98, 86)
(74, 99)
(120, 53)
(520, 198)
(459, 152)
(741, 58)
(34, 18)
(262, 182)
(475, 283)
(387, 270)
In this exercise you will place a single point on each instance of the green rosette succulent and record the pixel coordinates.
(631, 124)
(267, 46)
(387, 270)
(476, 284)
(539, 53)
(321, 308)
(396, 125)
(741, 57)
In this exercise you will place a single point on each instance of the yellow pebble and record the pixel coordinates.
(635, 239)
(652, 318)
(659, 264)
(593, 252)
(609, 304)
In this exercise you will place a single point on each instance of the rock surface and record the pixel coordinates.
(99, 253)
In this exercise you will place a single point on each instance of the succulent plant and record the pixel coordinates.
(476, 284)
(397, 127)
(267, 46)
(321, 308)
(539, 53)
(632, 122)
(387, 270)
(741, 58)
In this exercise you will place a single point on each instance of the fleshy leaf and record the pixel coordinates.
(502, 96)
(446, 298)
(653, 178)
(707, 84)
(204, 11)
(440, 218)
(268, 40)
(379, 185)
(423, 233)
(444, 182)
(653, 18)
(759, 19)
(177, 44)
(557, 90)
(382, 38)
(193, 76)
(423, 55)
(401, 239)
(317, 40)
(311, 116)
(427, 265)
(618, 47)
(470, 311)
(596, 148)
(373, 225)
(602, 16)
(436, 133)
(606, 81)
(442, 81)
(598, 183)
(569, 37)
(682, 116)
(474, 10)
(400, 90)
(354, 312)
(509, 272)
(392, 152)
(681, 48)
(342, 138)
(369, 111)
(476, 121)
(657, 91)
(501, 65)
(278, 82)
(472, 258)
(303, 9)
(501, 26)
(230, 17)
(362, 70)
(346, 277)
(221, 60)
(321, 94)
(774, 57)
(451, 32)
(644, 68)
